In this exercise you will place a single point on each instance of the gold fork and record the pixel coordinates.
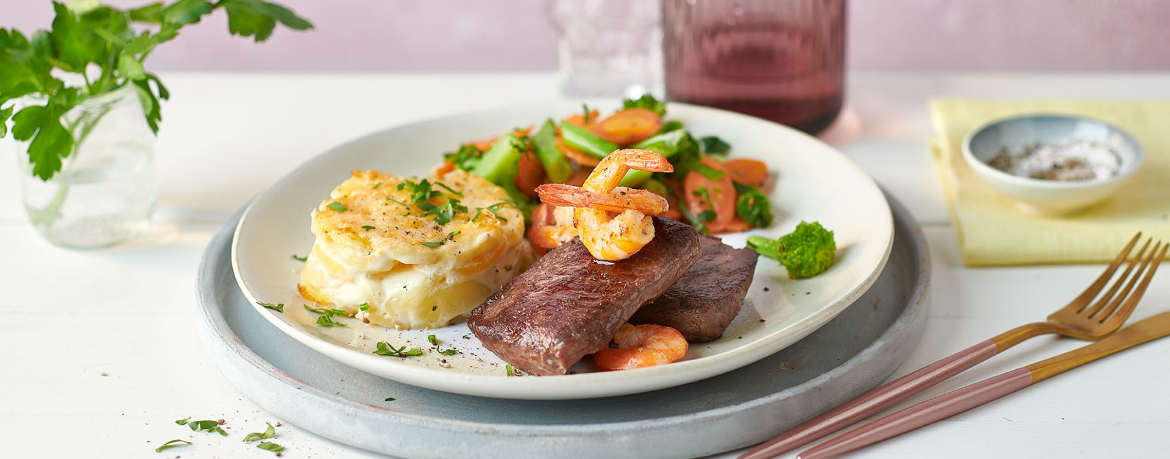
(1082, 318)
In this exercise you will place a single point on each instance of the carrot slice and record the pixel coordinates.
(737, 225)
(747, 171)
(579, 119)
(529, 174)
(719, 196)
(447, 166)
(486, 144)
(628, 126)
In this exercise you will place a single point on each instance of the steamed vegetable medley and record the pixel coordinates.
(707, 190)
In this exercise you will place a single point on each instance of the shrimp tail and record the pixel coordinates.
(644, 160)
(619, 199)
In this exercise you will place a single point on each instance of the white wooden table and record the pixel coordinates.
(99, 352)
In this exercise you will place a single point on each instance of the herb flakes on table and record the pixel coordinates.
(171, 444)
(268, 433)
(207, 426)
(270, 446)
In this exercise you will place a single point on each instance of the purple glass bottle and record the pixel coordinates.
(782, 60)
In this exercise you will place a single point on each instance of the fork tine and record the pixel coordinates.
(1092, 311)
(1123, 313)
(1079, 304)
(1104, 313)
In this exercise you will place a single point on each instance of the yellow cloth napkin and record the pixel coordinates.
(992, 231)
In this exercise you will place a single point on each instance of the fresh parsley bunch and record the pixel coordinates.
(101, 44)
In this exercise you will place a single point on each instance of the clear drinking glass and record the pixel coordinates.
(106, 189)
(609, 48)
(782, 60)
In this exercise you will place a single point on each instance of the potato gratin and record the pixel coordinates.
(406, 253)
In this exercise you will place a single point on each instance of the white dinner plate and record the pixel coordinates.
(815, 183)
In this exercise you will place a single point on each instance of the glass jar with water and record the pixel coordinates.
(106, 189)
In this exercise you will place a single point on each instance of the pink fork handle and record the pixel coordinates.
(874, 401)
(935, 409)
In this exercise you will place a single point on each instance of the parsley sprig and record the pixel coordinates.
(106, 48)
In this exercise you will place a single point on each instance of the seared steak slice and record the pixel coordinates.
(704, 301)
(569, 305)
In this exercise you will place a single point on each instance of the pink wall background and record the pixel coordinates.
(883, 35)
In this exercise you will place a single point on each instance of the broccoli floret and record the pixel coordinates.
(806, 252)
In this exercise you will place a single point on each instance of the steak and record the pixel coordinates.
(704, 301)
(569, 305)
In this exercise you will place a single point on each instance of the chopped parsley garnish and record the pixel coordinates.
(367, 227)
(753, 205)
(171, 444)
(444, 213)
(403, 204)
(390, 399)
(466, 158)
(709, 214)
(715, 146)
(421, 192)
(295, 257)
(709, 172)
(364, 306)
(269, 433)
(445, 187)
(274, 307)
(386, 349)
(326, 311)
(206, 426)
(450, 236)
(648, 102)
(326, 320)
(511, 372)
(494, 209)
(183, 422)
(270, 446)
(435, 342)
(376, 185)
(695, 222)
(337, 206)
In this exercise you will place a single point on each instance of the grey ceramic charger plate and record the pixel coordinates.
(848, 356)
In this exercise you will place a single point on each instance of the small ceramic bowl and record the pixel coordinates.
(1049, 197)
